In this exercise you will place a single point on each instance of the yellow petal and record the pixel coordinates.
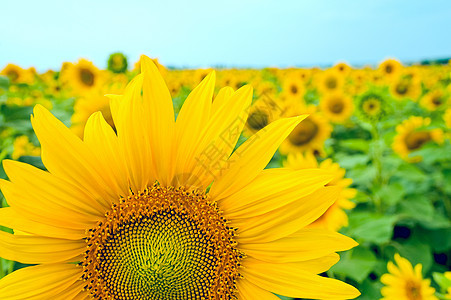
(45, 210)
(30, 249)
(191, 123)
(252, 157)
(104, 144)
(11, 219)
(272, 189)
(249, 291)
(134, 143)
(39, 282)
(221, 98)
(288, 280)
(220, 137)
(66, 156)
(288, 219)
(160, 114)
(70, 293)
(303, 245)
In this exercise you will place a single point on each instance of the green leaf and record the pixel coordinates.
(370, 290)
(356, 264)
(416, 252)
(351, 161)
(370, 227)
(443, 282)
(391, 194)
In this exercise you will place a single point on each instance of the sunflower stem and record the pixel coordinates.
(377, 160)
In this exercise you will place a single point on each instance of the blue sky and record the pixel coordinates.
(234, 33)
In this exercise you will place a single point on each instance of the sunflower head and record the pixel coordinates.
(337, 107)
(390, 68)
(405, 87)
(82, 77)
(310, 134)
(18, 75)
(117, 63)
(165, 208)
(293, 87)
(434, 100)
(405, 282)
(343, 68)
(330, 81)
(372, 106)
(412, 135)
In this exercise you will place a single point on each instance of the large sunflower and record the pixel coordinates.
(335, 217)
(18, 75)
(330, 81)
(128, 216)
(404, 282)
(411, 135)
(434, 100)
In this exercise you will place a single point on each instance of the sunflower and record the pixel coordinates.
(82, 77)
(335, 217)
(390, 68)
(372, 106)
(434, 100)
(337, 107)
(404, 282)
(405, 88)
(308, 136)
(330, 81)
(293, 87)
(343, 68)
(18, 75)
(411, 136)
(117, 63)
(128, 216)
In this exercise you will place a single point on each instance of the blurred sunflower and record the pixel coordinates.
(390, 68)
(342, 68)
(308, 136)
(335, 217)
(372, 106)
(434, 100)
(133, 210)
(18, 75)
(330, 81)
(405, 88)
(117, 63)
(293, 87)
(337, 107)
(82, 77)
(403, 282)
(411, 136)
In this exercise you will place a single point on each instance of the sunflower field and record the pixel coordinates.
(379, 135)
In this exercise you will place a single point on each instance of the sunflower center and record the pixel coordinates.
(331, 83)
(294, 89)
(372, 107)
(336, 106)
(162, 244)
(413, 290)
(87, 77)
(303, 133)
(12, 75)
(402, 88)
(415, 140)
(257, 120)
(388, 69)
(437, 101)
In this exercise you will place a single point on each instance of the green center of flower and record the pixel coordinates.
(303, 133)
(164, 243)
(87, 77)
